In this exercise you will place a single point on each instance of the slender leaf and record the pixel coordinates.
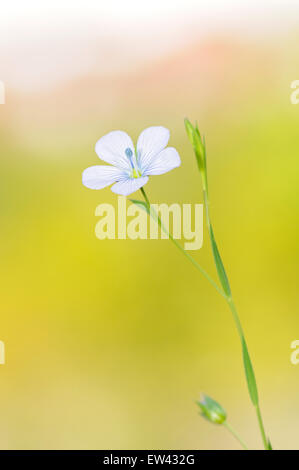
(219, 265)
(152, 213)
(141, 204)
(250, 377)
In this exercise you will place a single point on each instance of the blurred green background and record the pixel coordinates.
(109, 343)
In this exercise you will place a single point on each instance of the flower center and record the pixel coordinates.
(135, 173)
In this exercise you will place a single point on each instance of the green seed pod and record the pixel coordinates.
(211, 410)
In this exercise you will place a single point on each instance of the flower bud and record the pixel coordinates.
(197, 143)
(190, 130)
(211, 410)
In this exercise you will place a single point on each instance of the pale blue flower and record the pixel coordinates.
(130, 169)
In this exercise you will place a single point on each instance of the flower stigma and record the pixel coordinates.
(135, 173)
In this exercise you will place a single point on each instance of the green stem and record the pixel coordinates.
(145, 197)
(236, 318)
(185, 253)
(234, 433)
(261, 425)
(197, 266)
(228, 298)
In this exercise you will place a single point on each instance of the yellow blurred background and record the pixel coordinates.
(109, 343)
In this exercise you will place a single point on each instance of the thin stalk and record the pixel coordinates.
(228, 298)
(235, 434)
(261, 425)
(236, 318)
(185, 253)
(145, 197)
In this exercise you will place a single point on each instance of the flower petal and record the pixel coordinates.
(130, 185)
(111, 148)
(150, 142)
(165, 161)
(100, 176)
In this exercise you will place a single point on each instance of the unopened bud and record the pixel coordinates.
(197, 144)
(211, 410)
(190, 130)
